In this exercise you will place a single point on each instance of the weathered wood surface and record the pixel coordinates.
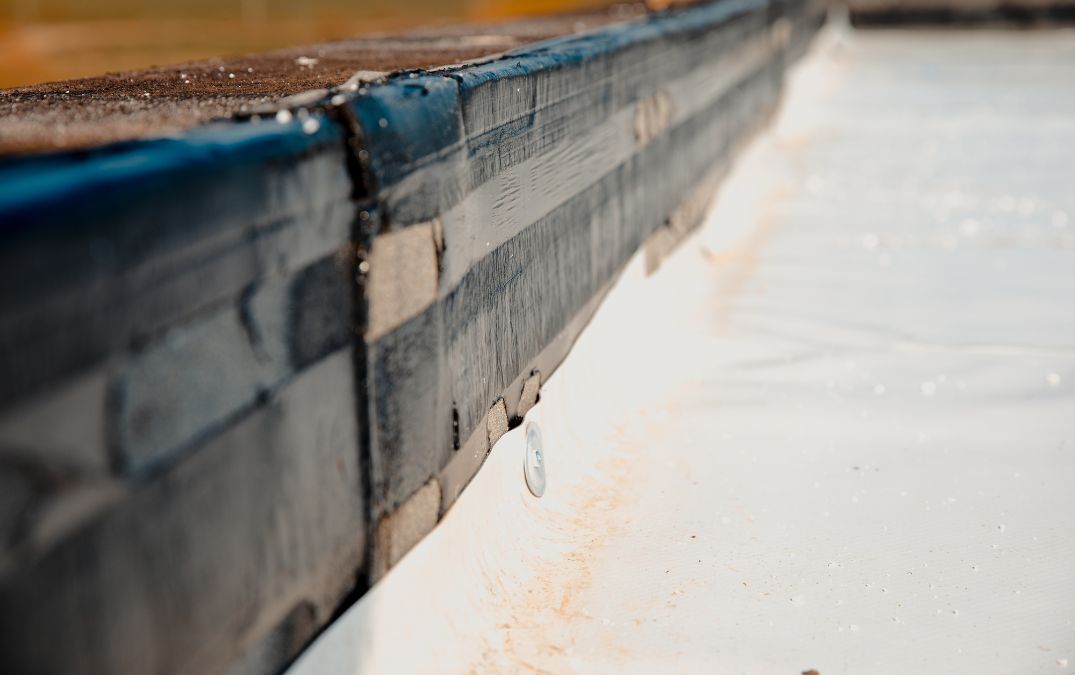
(244, 368)
(951, 13)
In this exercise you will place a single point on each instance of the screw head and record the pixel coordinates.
(534, 462)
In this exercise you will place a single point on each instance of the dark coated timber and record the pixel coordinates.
(1003, 14)
(240, 366)
(573, 195)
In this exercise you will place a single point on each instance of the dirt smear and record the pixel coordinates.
(539, 625)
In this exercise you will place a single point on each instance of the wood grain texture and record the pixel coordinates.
(545, 183)
(196, 565)
(294, 329)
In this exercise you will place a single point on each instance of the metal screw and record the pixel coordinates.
(534, 463)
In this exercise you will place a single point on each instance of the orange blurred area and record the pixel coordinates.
(48, 40)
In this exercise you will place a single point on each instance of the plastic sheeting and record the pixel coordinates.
(833, 432)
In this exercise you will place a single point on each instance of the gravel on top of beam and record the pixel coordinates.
(166, 100)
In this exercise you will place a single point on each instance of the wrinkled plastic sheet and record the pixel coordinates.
(833, 432)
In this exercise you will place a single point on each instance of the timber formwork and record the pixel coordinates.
(246, 364)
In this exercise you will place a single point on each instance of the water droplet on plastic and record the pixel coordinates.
(534, 461)
(383, 123)
(311, 125)
(283, 116)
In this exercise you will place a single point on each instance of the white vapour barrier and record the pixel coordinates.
(832, 432)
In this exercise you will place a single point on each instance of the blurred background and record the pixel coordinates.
(47, 40)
